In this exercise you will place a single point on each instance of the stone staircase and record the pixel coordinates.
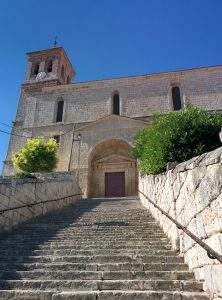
(95, 249)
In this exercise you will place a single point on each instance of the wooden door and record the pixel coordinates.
(115, 184)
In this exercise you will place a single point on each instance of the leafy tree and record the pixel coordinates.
(37, 155)
(176, 136)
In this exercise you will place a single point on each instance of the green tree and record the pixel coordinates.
(176, 136)
(37, 155)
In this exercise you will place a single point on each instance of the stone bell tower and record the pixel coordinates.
(48, 67)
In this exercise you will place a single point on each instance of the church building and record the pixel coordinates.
(94, 122)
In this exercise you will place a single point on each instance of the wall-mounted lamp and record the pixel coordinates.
(78, 138)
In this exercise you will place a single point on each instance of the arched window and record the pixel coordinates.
(36, 69)
(116, 109)
(68, 80)
(63, 72)
(176, 98)
(59, 114)
(49, 66)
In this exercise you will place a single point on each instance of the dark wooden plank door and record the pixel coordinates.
(115, 184)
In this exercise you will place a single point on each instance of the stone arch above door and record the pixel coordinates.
(111, 156)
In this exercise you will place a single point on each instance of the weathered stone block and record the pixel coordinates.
(195, 196)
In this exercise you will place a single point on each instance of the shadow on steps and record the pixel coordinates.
(17, 245)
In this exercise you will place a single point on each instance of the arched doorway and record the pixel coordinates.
(112, 172)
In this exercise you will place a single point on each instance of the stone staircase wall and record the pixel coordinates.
(192, 194)
(19, 192)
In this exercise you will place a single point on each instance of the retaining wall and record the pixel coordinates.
(19, 192)
(192, 194)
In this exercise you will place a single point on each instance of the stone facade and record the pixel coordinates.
(21, 192)
(192, 194)
(88, 107)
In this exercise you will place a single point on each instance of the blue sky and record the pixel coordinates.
(108, 38)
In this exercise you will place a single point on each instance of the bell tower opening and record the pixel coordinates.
(49, 67)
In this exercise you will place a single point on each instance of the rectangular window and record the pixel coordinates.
(177, 104)
(116, 104)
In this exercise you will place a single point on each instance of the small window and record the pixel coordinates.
(49, 67)
(36, 69)
(59, 115)
(68, 80)
(176, 98)
(57, 138)
(116, 109)
(63, 72)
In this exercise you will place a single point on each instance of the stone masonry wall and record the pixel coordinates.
(86, 102)
(19, 192)
(139, 96)
(192, 194)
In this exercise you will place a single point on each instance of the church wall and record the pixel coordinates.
(89, 141)
(21, 109)
(45, 110)
(30, 108)
(86, 102)
(140, 96)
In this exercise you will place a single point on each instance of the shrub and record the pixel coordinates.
(176, 136)
(36, 156)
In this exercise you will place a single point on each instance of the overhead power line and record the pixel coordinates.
(11, 133)
(6, 124)
(20, 135)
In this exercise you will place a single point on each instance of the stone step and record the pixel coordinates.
(98, 233)
(37, 295)
(14, 253)
(98, 239)
(44, 239)
(63, 266)
(85, 246)
(93, 285)
(95, 275)
(120, 238)
(154, 242)
(101, 224)
(101, 295)
(93, 240)
(92, 233)
(91, 244)
(91, 227)
(104, 221)
(115, 225)
(115, 247)
(131, 295)
(96, 259)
